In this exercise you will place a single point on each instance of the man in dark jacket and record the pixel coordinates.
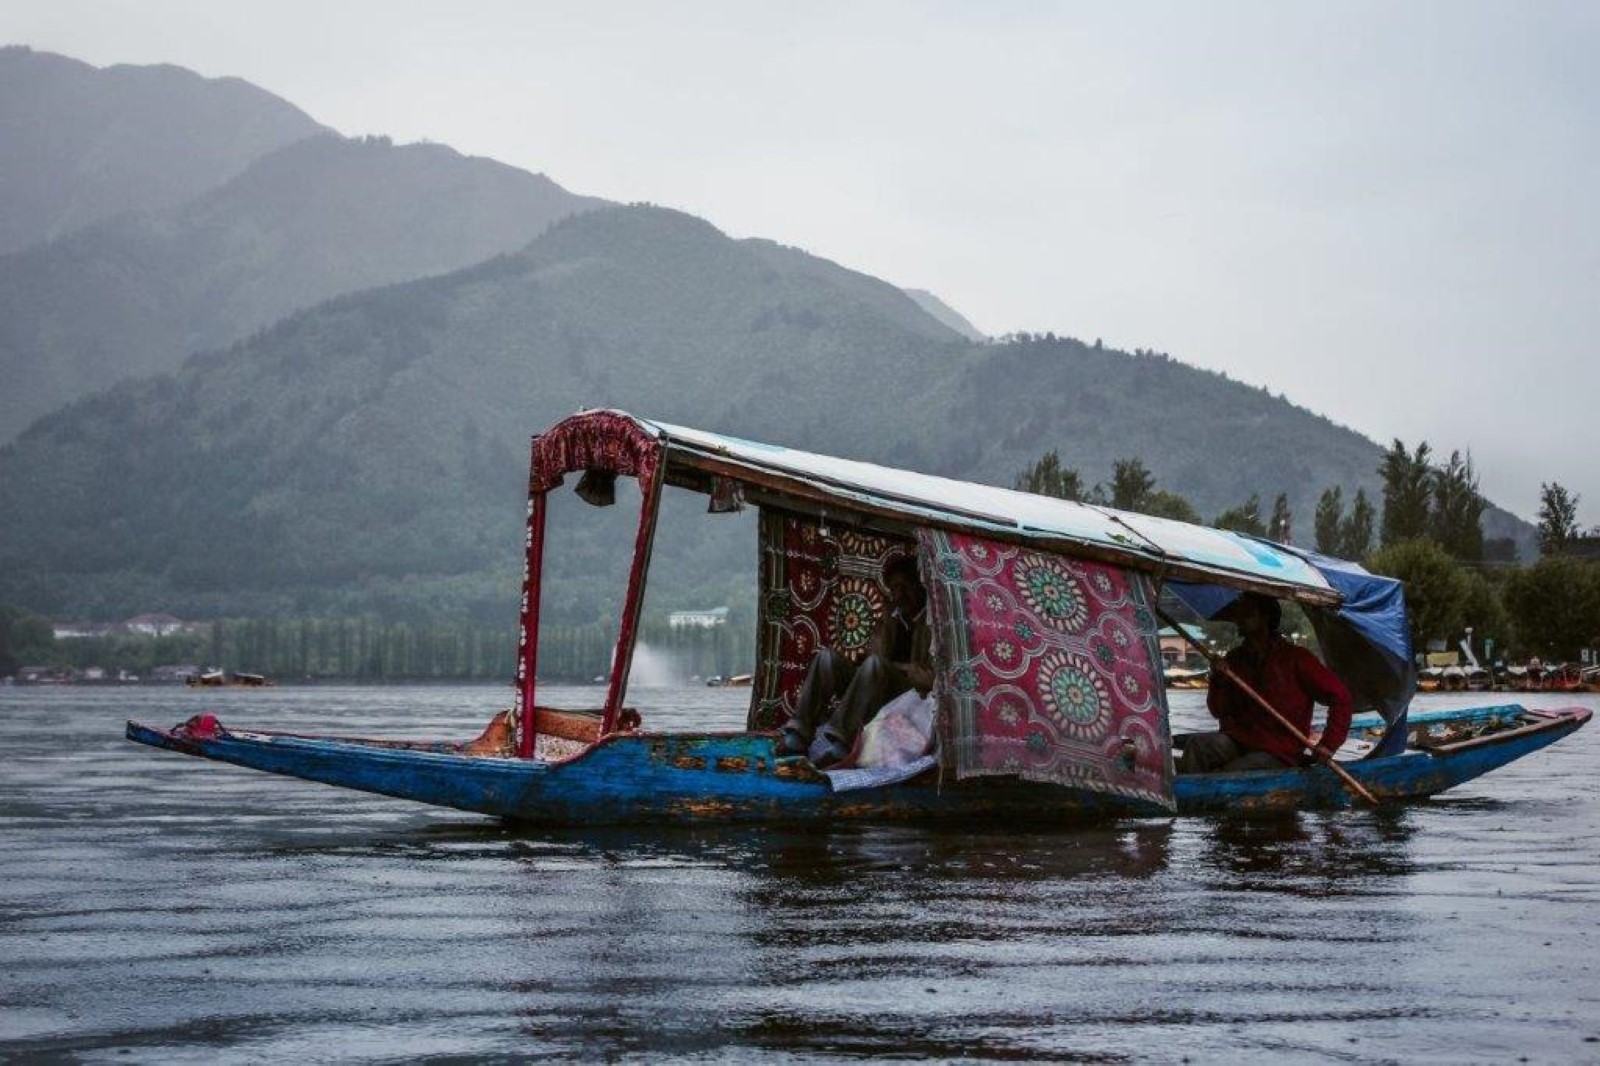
(899, 658)
(1289, 677)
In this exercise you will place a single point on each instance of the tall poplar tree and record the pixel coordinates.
(1558, 518)
(1245, 518)
(1407, 485)
(1281, 527)
(1047, 477)
(1355, 532)
(1131, 484)
(1326, 523)
(1457, 509)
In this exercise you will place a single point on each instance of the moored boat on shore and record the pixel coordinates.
(215, 678)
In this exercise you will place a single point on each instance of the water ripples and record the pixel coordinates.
(176, 910)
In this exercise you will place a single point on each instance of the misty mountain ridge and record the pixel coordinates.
(134, 295)
(80, 143)
(379, 440)
(370, 453)
(946, 314)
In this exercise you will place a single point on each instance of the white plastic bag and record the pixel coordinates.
(900, 733)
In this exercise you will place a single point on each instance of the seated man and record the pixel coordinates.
(899, 658)
(1287, 676)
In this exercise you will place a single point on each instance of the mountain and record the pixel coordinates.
(370, 453)
(80, 143)
(373, 450)
(135, 295)
(946, 314)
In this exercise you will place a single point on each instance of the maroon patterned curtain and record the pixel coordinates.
(1049, 668)
(821, 587)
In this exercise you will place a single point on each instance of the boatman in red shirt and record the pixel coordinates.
(1287, 676)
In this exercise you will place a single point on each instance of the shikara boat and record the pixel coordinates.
(218, 679)
(1184, 678)
(1048, 696)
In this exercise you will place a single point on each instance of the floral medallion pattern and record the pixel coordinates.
(857, 604)
(1073, 692)
(821, 587)
(1049, 669)
(1053, 592)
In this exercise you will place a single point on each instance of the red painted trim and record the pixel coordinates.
(594, 440)
(528, 631)
(627, 632)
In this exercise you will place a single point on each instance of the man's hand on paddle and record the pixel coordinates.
(1317, 752)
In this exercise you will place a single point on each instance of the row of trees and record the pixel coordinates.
(1429, 534)
(24, 639)
(1340, 534)
(1421, 500)
(1424, 501)
(1132, 487)
(1432, 539)
(320, 648)
(368, 650)
(1550, 608)
(663, 651)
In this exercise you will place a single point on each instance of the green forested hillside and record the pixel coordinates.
(81, 143)
(135, 295)
(370, 454)
(1210, 439)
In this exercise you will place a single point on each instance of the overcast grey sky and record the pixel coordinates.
(1385, 211)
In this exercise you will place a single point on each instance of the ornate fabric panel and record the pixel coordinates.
(1049, 668)
(607, 441)
(821, 587)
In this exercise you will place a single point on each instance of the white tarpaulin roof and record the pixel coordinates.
(1148, 543)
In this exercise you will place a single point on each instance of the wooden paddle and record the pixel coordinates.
(1220, 667)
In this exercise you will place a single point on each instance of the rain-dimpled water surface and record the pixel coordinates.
(170, 909)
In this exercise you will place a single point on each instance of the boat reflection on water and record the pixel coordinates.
(1335, 851)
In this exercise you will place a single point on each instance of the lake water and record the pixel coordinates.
(172, 910)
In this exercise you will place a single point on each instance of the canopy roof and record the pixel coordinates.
(1359, 617)
(774, 475)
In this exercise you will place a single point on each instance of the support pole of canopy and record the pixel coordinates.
(528, 629)
(1218, 666)
(628, 629)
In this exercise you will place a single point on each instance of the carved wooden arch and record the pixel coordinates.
(595, 442)
(605, 441)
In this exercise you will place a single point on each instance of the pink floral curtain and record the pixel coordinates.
(1049, 668)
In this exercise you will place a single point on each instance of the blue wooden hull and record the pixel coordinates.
(644, 778)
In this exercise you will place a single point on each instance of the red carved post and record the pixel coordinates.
(528, 630)
(627, 632)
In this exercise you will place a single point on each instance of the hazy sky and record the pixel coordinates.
(1386, 211)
